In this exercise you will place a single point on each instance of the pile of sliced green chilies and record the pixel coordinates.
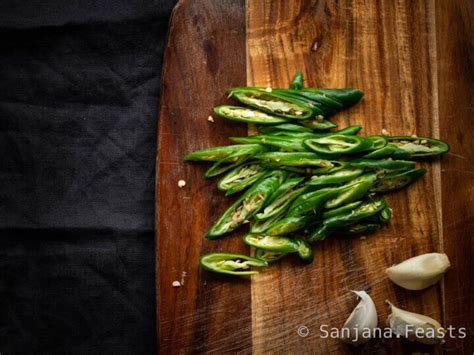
(299, 181)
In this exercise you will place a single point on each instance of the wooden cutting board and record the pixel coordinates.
(413, 60)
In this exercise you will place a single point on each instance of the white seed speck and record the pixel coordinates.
(384, 132)
(414, 136)
(181, 184)
(268, 89)
(210, 119)
(176, 284)
(424, 141)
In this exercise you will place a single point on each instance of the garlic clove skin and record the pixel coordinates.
(420, 271)
(414, 326)
(362, 320)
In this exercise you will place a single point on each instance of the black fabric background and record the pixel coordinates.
(79, 90)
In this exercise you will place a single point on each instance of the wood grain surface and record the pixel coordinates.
(413, 60)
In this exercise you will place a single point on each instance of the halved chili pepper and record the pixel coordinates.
(231, 264)
(419, 147)
(338, 144)
(268, 256)
(311, 202)
(261, 226)
(247, 115)
(217, 153)
(396, 180)
(382, 164)
(294, 159)
(278, 244)
(285, 127)
(277, 104)
(287, 186)
(343, 209)
(246, 205)
(385, 214)
(321, 232)
(337, 177)
(305, 251)
(297, 82)
(288, 225)
(381, 152)
(241, 177)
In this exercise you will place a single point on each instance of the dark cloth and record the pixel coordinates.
(79, 93)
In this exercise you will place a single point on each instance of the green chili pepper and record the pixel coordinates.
(284, 143)
(397, 180)
(319, 124)
(353, 190)
(311, 202)
(271, 243)
(294, 159)
(358, 228)
(363, 211)
(231, 264)
(287, 186)
(261, 226)
(246, 205)
(378, 142)
(285, 127)
(337, 177)
(338, 144)
(297, 82)
(384, 152)
(241, 177)
(287, 225)
(419, 147)
(385, 214)
(218, 153)
(340, 210)
(305, 251)
(383, 164)
(280, 205)
(247, 115)
(270, 102)
(320, 233)
(268, 256)
(234, 159)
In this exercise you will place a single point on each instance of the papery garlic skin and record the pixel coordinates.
(414, 326)
(420, 271)
(362, 318)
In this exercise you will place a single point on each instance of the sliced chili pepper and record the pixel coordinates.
(288, 225)
(287, 186)
(381, 152)
(305, 251)
(378, 142)
(358, 228)
(246, 205)
(234, 159)
(297, 82)
(311, 202)
(294, 159)
(397, 180)
(352, 191)
(338, 144)
(419, 147)
(231, 264)
(277, 104)
(321, 232)
(261, 226)
(319, 124)
(217, 153)
(363, 211)
(385, 215)
(241, 177)
(343, 209)
(285, 127)
(278, 244)
(283, 143)
(247, 115)
(337, 177)
(268, 256)
(280, 205)
(382, 164)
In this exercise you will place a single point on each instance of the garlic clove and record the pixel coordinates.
(420, 271)
(414, 326)
(359, 327)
